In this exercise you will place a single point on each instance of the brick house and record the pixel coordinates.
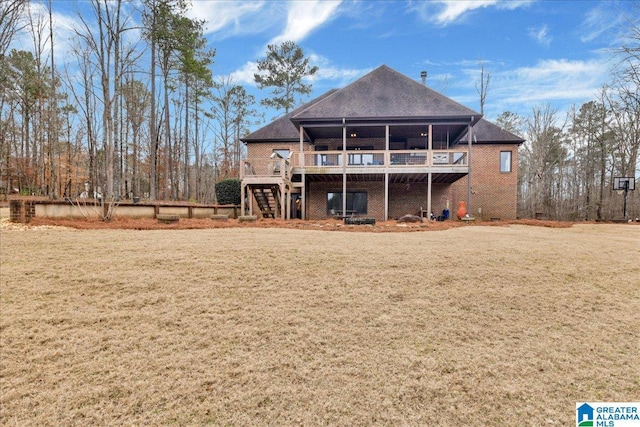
(382, 147)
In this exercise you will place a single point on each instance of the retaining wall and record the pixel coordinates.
(23, 210)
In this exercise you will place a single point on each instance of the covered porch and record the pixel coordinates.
(395, 152)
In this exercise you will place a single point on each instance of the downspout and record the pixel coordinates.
(469, 138)
(430, 174)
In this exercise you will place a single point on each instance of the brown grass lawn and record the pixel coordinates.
(487, 326)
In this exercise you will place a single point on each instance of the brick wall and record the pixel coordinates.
(317, 197)
(403, 199)
(264, 149)
(411, 198)
(493, 192)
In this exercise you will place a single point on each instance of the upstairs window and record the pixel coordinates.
(505, 161)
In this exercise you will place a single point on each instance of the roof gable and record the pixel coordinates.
(383, 93)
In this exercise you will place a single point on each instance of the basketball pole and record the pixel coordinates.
(624, 206)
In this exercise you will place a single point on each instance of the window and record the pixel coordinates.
(356, 203)
(505, 161)
(360, 159)
(322, 159)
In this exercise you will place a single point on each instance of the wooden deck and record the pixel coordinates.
(375, 162)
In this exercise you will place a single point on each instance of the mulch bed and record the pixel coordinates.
(330, 224)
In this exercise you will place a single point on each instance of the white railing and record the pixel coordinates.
(329, 161)
(265, 168)
(376, 159)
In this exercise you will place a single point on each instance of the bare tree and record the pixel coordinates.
(194, 59)
(136, 102)
(625, 99)
(591, 137)
(10, 22)
(231, 110)
(52, 131)
(37, 30)
(150, 33)
(113, 59)
(163, 27)
(81, 89)
(544, 154)
(482, 87)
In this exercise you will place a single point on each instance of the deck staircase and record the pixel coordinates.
(268, 199)
(266, 185)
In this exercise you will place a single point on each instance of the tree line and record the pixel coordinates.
(139, 113)
(568, 163)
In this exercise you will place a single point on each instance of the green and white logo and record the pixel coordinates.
(608, 414)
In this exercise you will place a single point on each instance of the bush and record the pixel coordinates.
(228, 191)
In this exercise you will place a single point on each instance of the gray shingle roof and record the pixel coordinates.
(282, 129)
(486, 132)
(383, 93)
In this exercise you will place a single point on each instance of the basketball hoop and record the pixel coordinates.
(624, 184)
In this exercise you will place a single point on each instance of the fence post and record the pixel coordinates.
(16, 211)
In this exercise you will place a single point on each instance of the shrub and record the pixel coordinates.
(228, 191)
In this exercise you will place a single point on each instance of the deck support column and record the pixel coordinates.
(430, 163)
(251, 204)
(429, 179)
(469, 138)
(243, 194)
(386, 173)
(288, 205)
(283, 201)
(344, 166)
(303, 189)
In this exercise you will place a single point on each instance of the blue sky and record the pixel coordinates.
(536, 52)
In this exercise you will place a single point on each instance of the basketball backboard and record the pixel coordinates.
(624, 183)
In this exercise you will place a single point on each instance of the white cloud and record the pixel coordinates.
(338, 77)
(455, 9)
(559, 69)
(244, 75)
(541, 35)
(303, 17)
(228, 18)
(64, 26)
(559, 82)
(327, 74)
(449, 11)
(294, 19)
(600, 20)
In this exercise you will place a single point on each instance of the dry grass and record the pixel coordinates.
(488, 326)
